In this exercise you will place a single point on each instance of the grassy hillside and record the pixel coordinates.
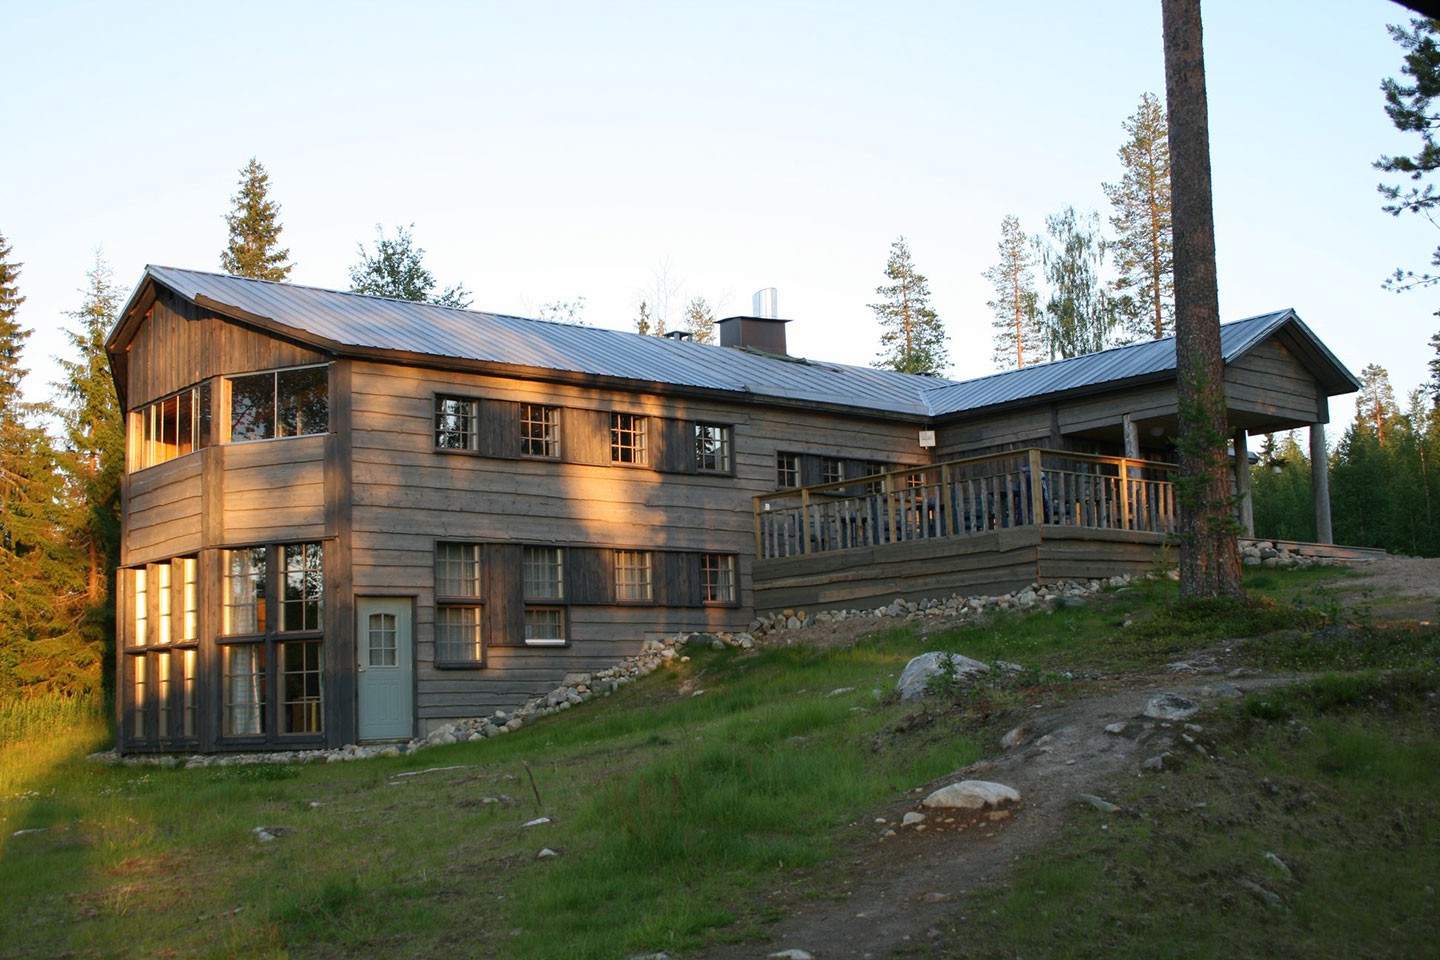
(677, 806)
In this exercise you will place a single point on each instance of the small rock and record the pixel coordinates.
(1104, 806)
(912, 818)
(1116, 729)
(972, 795)
(1279, 865)
(936, 896)
(1155, 763)
(1171, 706)
(538, 821)
(545, 854)
(792, 954)
(1270, 898)
(1017, 737)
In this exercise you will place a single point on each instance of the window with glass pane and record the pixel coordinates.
(244, 607)
(539, 430)
(632, 575)
(162, 692)
(457, 423)
(302, 700)
(457, 634)
(141, 591)
(627, 438)
(303, 603)
(717, 577)
(189, 599)
(243, 689)
(189, 709)
(164, 601)
(544, 625)
(302, 398)
(787, 470)
(381, 640)
(832, 470)
(457, 570)
(171, 427)
(140, 693)
(252, 407)
(544, 573)
(712, 447)
(284, 403)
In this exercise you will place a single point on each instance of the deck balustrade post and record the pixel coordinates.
(1037, 488)
(805, 520)
(1124, 494)
(759, 539)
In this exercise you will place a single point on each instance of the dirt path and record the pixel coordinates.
(899, 890)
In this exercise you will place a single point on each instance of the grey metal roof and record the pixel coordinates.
(356, 321)
(1152, 359)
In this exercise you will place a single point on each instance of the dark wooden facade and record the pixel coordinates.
(374, 495)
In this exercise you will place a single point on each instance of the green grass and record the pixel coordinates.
(677, 804)
(1339, 785)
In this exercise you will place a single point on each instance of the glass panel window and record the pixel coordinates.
(165, 602)
(244, 607)
(539, 430)
(141, 581)
(457, 570)
(457, 423)
(170, 427)
(544, 626)
(185, 423)
(712, 448)
(787, 470)
(303, 603)
(252, 407)
(139, 690)
(302, 700)
(284, 403)
(302, 399)
(544, 573)
(457, 635)
(243, 689)
(717, 577)
(163, 692)
(832, 470)
(627, 438)
(189, 600)
(381, 643)
(632, 576)
(202, 415)
(189, 710)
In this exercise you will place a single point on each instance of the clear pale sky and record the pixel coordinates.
(548, 151)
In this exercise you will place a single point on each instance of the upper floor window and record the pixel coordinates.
(544, 573)
(170, 428)
(457, 570)
(832, 470)
(282, 403)
(627, 438)
(712, 448)
(457, 423)
(539, 430)
(787, 470)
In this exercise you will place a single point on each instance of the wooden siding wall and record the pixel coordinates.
(1270, 381)
(179, 345)
(407, 496)
(986, 565)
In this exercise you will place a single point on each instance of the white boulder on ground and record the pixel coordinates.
(1171, 706)
(972, 795)
(915, 679)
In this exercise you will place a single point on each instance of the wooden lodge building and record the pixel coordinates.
(350, 519)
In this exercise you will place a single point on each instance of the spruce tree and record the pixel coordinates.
(912, 338)
(397, 270)
(1080, 313)
(255, 230)
(1143, 248)
(1409, 107)
(1017, 334)
(700, 320)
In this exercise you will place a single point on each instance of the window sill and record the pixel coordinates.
(548, 643)
(459, 664)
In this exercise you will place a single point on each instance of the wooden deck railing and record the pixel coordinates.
(965, 497)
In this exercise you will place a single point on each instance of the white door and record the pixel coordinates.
(383, 657)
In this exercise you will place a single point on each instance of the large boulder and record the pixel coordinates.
(914, 681)
(972, 795)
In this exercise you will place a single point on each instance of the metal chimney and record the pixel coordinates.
(765, 304)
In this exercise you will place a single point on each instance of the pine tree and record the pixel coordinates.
(700, 320)
(569, 312)
(1143, 248)
(1080, 313)
(397, 269)
(1375, 407)
(1435, 372)
(1409, 108)
(255, 230)
(1209, 561)
(643, 325)
(912, 338)
(1017, 333)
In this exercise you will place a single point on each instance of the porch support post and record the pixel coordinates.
(1320, 483)
(1132, 437)
(1242, 484)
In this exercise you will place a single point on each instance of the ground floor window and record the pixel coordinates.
(544, 626)
(301, 687)
(717, 576)
(243, 689)
(458, 636)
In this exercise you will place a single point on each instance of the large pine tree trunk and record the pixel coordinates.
(1209, 562)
